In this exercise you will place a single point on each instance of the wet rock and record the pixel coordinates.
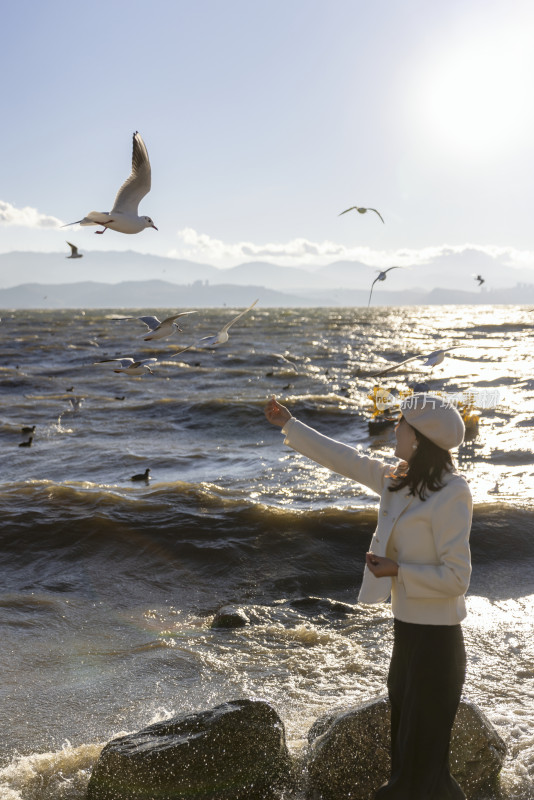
(230, 617)
(235, 751)
(324, 605)
(349, 751)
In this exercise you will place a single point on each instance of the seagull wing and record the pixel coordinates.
(124, 362)
(151, 322)
(229, 324)
(388, 269)
(179, 353)
(376, 212)
(138, 184)
(286, 360)
(372, 286)
(146, 361)
(397, 366)
(176, 316)
(352, 208)
(413, 358)
(74, 249)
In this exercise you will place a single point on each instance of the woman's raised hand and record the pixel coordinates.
(276, 413)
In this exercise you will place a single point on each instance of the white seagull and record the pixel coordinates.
(123, 216)
(380, 277)
(160, 330)
(432, 360)
(361, 210)
(74, 251)
(128, 365)
(220, 338)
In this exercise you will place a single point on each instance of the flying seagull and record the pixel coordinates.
(380, 277)
(160, 330)
(219, 338)
(432, 360)
(480, 279)
(74, 251)
(123, 216)
(361, 210)
(128, 365)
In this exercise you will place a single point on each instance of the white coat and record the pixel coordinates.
(428, 539)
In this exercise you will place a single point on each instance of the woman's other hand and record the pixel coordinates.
(276, 413)
(381, 567)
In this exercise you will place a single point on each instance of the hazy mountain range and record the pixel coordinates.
(134, 280)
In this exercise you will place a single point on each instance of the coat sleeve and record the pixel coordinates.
(336, 456)
(451, 525)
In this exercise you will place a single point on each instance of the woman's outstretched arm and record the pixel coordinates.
(338, 457)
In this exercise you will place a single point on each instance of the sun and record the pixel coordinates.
(474, 97)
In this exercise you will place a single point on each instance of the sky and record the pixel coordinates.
(266, 119)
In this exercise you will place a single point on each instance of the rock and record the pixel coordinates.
(235, 751)
(324, 605)
(477, 750)
(230, 617)
(349, 751)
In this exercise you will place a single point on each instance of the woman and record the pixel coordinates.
(419, 556)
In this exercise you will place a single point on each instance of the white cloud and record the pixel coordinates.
(201, 246)
(26, 217)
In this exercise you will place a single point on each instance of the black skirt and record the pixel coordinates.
(425, 680)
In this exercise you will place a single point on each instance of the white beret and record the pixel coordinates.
(435, 417)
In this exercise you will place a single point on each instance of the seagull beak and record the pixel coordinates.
(153, 226)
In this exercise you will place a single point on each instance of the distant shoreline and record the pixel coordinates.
(164, 294)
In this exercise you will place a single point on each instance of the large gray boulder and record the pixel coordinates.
(349, 753)
(235, 751)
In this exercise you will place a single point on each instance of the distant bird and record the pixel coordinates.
(432, 360)
(220, 338)
(281, 357)
(123, 216)
(480, 279)
(145, 476)
(361, 210)
(27, 429)
(28, 443)
(128, 365)
(380, 277)
(74, 251)
(160, 330)
(70, 389)
(76, 403)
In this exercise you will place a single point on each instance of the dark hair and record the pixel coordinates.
(425, 469)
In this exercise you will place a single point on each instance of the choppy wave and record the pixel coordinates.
(109, 587)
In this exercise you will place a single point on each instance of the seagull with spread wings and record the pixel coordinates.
(128, 365)
(432, 360)
(219, 338)
(361, 210)
(160, 330)
(123, 217)
(74, 251)
(380, 277)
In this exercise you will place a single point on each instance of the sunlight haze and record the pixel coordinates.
(263, 121)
